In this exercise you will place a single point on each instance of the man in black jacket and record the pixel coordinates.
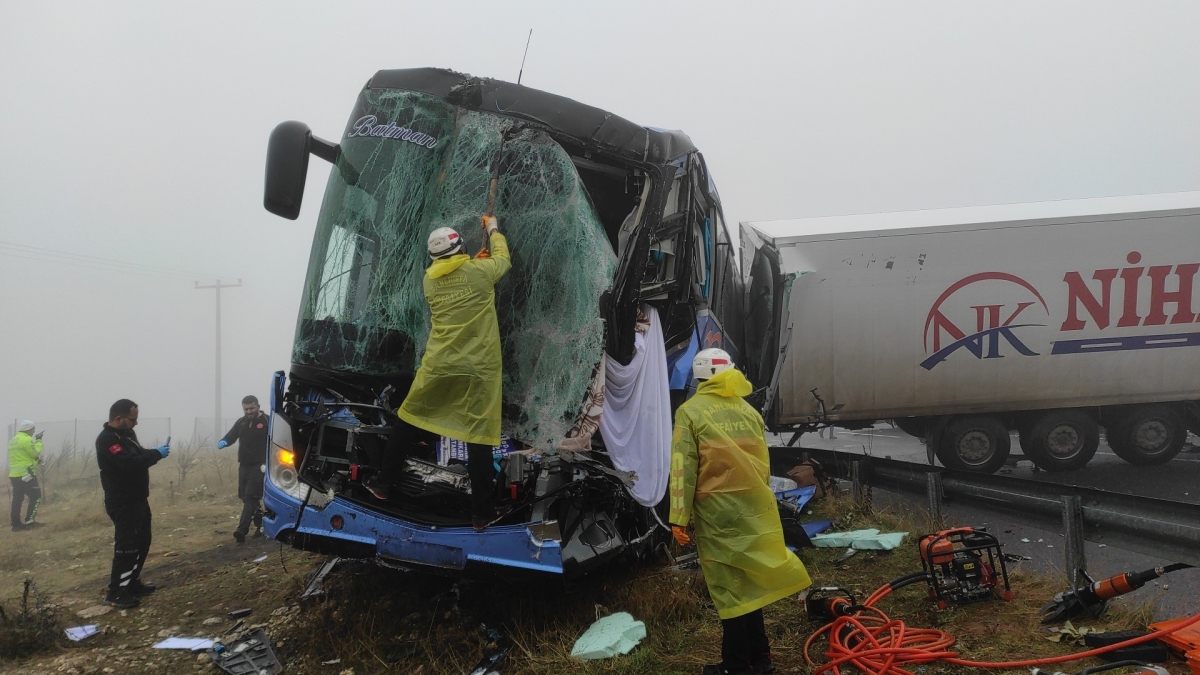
(250, 433)
(125, 476)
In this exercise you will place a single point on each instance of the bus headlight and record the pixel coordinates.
(281, 460)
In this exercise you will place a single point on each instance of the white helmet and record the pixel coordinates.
(711, 362)
(26, 425)
(444, 241)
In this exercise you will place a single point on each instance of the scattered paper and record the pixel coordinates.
(80, 632)
(193, 644)
(260, 558)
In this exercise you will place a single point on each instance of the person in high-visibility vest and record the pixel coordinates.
(24, 454)
(720, 474)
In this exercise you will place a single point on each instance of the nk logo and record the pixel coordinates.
(983, 315)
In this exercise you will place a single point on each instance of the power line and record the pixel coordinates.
(15, 250)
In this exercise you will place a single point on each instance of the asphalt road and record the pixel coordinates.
(1175, 595)
(1177, 480)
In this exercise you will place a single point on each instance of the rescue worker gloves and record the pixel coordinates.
(681, 535)
(164, 450)
(27, 478)
(490, 225)
(221, 444)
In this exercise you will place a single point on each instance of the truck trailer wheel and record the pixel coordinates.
(1061, 440)
(1148, 435)
(977, 443)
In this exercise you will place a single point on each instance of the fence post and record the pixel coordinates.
(933, 492)
(856, 481)
(75, 437)
(1075, 558)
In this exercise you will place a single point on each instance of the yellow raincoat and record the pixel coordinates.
(456, 391)
(719, 477)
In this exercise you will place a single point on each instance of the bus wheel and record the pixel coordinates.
(977, 443)
(1061, 440)
(1148, 435)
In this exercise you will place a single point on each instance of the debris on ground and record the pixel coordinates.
(862, 540)
(614, 634)
(78, 633)
(252, 655)
(190, 644)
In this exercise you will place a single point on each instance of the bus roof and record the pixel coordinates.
(581, 122)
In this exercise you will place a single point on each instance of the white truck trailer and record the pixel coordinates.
(1053, 319)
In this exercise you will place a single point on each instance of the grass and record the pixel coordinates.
(377, 620)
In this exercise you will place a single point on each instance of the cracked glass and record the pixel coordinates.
(411, 163)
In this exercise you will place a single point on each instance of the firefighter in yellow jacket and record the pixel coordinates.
(719, 480)
(456, 391)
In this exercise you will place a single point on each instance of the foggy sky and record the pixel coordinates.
(137, 132)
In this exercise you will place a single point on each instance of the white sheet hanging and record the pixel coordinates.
(636, 423)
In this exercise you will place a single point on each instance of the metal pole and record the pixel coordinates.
(217, 388)
(856, 480)
(75, 439)
(1075, 558)
(217, 399)
(933, 492)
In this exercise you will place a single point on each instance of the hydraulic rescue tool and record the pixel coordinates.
(1092, 598)
(964, 565)
(827, 603)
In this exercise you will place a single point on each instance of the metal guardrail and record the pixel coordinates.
(1156, 527)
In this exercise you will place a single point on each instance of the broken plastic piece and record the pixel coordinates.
(239, 613)
(614, 634)
(254, 655)
(82, 632)
(192, 644)
(862, 540)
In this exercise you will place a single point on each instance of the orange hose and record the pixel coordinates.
(877, 645)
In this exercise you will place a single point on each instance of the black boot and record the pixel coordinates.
(137, 589)
(121, 598)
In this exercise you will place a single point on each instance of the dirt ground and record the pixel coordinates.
(377, 620)
(201, 571)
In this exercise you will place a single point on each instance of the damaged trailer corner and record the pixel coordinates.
(621, 261)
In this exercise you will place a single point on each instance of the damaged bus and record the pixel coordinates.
(621, 257)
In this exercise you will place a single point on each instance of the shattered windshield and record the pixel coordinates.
(411, 163)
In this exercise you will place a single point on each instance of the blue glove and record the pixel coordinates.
(222, 444)
(164, 450)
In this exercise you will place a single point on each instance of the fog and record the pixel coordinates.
(135, 134)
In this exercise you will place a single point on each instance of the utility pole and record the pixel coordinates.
(217, 410)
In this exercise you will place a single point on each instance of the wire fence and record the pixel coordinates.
(61, 435)
(69, 456)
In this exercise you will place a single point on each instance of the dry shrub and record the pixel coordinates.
(32, 627)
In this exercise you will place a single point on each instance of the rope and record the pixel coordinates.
(878, 645)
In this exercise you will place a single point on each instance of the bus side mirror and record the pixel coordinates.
(287, 166)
